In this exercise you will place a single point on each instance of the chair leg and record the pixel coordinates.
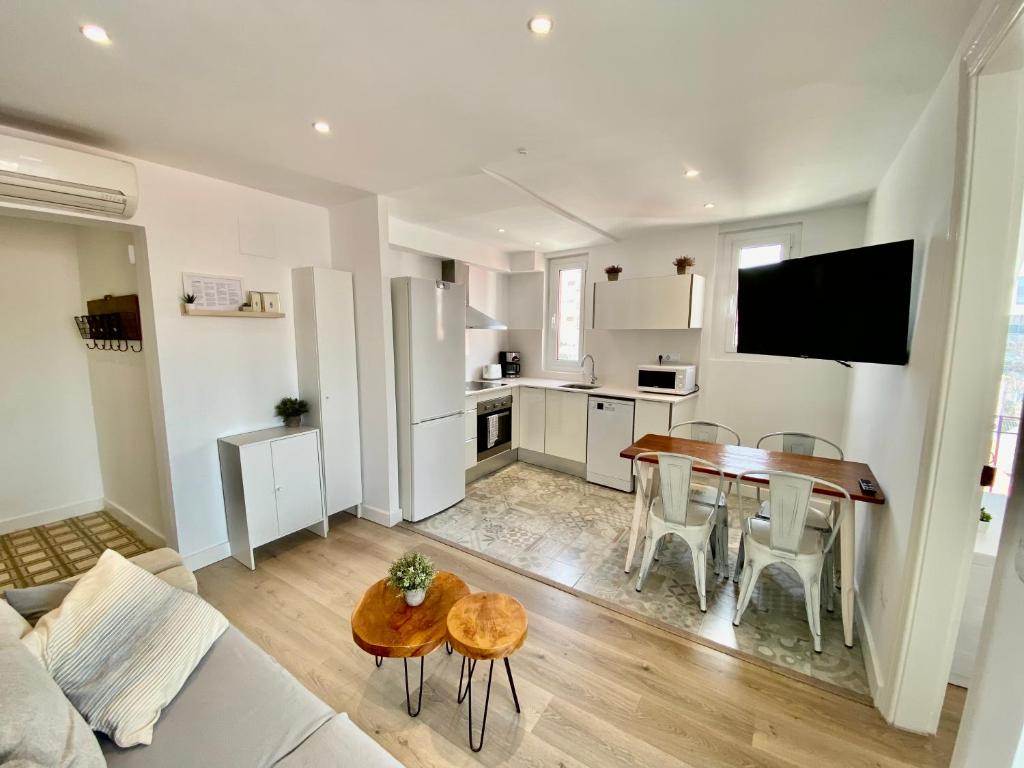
(723, 542)
(739, 561)
(645, 568)
(829, 580)
(750, 574)
(812, 598)
(700, 565)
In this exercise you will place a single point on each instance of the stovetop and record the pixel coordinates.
(476, 386)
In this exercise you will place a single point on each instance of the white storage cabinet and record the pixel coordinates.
(531, 418)
(272, 487)
(565, 425)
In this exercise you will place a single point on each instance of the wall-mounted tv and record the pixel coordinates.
(850, 306)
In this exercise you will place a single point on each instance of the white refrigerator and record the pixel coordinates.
(429, 319)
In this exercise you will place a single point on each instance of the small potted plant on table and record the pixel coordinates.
(412, 574)
(291, 409)
(683, 263)
(613, 272)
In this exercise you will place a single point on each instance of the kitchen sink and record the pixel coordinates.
(580, 386)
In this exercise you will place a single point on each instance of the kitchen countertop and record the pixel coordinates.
(601, 391)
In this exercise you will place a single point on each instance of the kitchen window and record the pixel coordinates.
(566, 304)
(754, 248)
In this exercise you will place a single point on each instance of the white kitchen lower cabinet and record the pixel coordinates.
(565, 425)
(273, 486)
(532, 415)
(650, 418)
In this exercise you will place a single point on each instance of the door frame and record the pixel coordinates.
(939, 560)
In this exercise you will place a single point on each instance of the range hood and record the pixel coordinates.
(457, 272)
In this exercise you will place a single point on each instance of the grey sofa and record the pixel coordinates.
(241, 708)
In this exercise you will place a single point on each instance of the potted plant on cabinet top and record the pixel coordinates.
(985, 519)
(411, 574)
(613, 272)
(291, 409)
(683, 263)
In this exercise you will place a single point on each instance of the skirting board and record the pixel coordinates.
(876, 680)
(46, 516)
(553, 462)
(207, 556)
(147, 533)
(380, 516)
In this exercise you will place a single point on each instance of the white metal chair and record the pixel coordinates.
(822, 514)
(712, 432)
(786, 538)
(673, 511)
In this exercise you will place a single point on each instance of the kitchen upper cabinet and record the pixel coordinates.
(532, 406)
(272, 486)
(565, 425)
(670, 302)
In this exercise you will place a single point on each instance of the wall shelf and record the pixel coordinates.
(197, 312)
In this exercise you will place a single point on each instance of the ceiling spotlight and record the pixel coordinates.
(322, 126)
(96, 34)
(709, 205)
(692, 174)
(522, 150)
(540, 25)
(501, 231)
(537, 243)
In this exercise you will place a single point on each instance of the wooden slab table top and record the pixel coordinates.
(487, 626)
(383, 625)
(734, 460)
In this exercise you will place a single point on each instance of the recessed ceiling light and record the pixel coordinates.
(537, 243)
(501, 231)
(95, 33)
(540, 25)
(692, 174)
(322, 126)
(709, 205)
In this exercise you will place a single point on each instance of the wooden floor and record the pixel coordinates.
(597, 688)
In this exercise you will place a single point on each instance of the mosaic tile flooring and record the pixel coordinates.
(576, 533)
(53, 552)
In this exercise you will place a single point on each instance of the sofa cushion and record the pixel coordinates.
(12, 625)
(341, 744)
(38, 725)
(122, 644)
(239, 707)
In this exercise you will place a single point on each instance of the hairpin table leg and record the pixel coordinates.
(512, 684)
(462, 691)
(487, 702)
(447, 647)
(378, 660)
(408, 699)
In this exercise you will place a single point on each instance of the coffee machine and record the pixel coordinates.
(509, 365)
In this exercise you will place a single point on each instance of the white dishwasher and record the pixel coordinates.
(609, 430)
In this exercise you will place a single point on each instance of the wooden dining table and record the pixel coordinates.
(735, 460)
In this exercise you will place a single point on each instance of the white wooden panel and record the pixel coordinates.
(565, 425)
(471, 424)
(260, 501)
(470, 450)
(648, 303)
(296, 468)
(685, 410)
(651, 418)
(531, 418)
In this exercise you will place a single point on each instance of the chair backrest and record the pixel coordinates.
(675, 474)
(789, 496)
(706, 432)
(802, 443)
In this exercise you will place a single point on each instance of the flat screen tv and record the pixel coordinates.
(848, 306)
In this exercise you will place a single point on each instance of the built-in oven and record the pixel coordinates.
(493, 427)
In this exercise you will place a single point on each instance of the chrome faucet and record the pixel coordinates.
(593, 367)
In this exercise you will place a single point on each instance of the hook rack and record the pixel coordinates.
(112, 324)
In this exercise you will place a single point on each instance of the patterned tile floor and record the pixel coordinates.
(576, 533)
(52, 552)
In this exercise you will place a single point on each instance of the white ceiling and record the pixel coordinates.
(781, 105)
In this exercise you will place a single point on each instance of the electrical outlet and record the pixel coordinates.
(671, 357)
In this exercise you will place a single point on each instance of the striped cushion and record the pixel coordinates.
(122, 644)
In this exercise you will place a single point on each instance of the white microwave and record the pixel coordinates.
(669, 379)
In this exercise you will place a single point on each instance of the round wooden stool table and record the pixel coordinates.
(486, 626)
(383, 625)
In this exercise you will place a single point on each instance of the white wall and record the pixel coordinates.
(120, 392)
(49, 460)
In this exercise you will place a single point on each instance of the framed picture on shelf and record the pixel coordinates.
(214, 291)
(271, 301)
(256, 301)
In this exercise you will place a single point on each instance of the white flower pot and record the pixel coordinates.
(415, 597)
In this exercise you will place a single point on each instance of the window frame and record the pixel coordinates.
(553, 267)
(786, 235)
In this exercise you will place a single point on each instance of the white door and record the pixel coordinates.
(531, 418)
(339, 393)
(297, 482)
(257, 466)
(438, 466)
(437, 355)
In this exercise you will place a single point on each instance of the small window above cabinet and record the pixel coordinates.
(670, 302)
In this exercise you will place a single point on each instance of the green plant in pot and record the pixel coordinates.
(613, 272)
(412, 574)
(291, 409)
(985, 517)
(683, 263)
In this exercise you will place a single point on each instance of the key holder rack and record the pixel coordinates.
(112, 324)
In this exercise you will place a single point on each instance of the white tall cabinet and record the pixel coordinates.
(272, 487)
(325, 352)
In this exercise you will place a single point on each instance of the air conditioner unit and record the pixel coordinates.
(54, 177)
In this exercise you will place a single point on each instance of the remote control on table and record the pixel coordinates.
(868, 488)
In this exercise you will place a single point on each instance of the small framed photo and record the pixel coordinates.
(256, 301)
(271, 301)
